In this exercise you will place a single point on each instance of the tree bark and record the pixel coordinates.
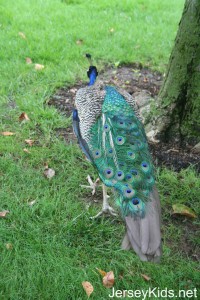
(177, 115)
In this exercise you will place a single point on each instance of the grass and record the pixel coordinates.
(53, 246)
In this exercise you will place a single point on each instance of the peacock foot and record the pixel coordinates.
(92, 185)
(106, 209)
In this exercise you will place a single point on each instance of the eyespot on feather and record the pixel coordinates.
(150, 180)
(140, 145)
(106, 128)
(96, 153)
(129, 193)
(129, 177)
(131, 155)
(110, 152)
(108, 172)
(135, 201)
(145, 167)
(120, 140)
(119, 175)
(134, 172)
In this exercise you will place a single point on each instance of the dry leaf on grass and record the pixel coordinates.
(24, 117)
(28, 61)
(9, 246)
(39, 67)
(108, 279)
(29, 142)
(3, 213)
(103, 273)
(146, 277)
(49, 173)
(26, 150)
(7, 133)
(79, 42)
(22, 35)
(88, 287)
(181, 209)
(31, 203)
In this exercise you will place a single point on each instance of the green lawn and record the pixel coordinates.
(49, 248)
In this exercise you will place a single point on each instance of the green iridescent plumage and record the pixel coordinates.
(120, 153)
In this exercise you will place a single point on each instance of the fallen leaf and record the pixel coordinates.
(146, 277)
(22, 35)
(49, 173)
(108, 279)
(26, 150)
(24, 117)
(3, 213)
(137, 47)
(9, 246)
(29, 142)
(117, 63)
(31, 203)
(181, 209)
(103, 273)
(46, 166)
(7, 133)
(88, 287)
(79, 42)
(39, 67)
(28, 60)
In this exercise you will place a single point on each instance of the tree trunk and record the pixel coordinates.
(177, 114)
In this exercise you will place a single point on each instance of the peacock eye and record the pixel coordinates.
(144, 165)
(120, 140)
(121, 124)
(96, 153)
(108, 173)
(106, 127)
(134, 172)
(110, 152)
(129, 177)
(131, 154)
(129, 193)
(135, 201)
(120, 175)
(150, 180)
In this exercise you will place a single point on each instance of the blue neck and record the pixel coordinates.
(93, 77)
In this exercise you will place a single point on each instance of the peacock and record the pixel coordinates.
(109, 130)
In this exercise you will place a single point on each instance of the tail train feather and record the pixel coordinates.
(143, 234)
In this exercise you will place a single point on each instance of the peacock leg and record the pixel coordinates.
(92, 185)
(106, 208)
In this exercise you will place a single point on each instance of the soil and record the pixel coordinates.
(136, 79)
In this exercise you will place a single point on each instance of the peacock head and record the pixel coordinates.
(92, 74)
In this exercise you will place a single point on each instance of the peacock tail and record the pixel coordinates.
(120, 153)
(117, 146)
